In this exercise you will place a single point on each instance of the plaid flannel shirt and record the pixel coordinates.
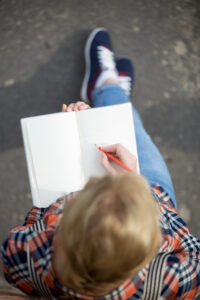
(181, 278)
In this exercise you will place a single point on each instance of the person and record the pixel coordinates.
(121, 236)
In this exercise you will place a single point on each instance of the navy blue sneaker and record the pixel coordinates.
(99, 57)
(125, 71)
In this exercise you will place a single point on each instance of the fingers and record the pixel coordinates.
(64, 107)
(106, 164)
(118, 149)
(123, 154)
(79, 105)
(110, 148)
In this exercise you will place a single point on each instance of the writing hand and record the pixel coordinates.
(79, 105)
(124, 156)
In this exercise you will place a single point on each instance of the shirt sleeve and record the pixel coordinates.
(161, 196)
(34, 215)
(14, 260)
(14, 248)
(182, 276)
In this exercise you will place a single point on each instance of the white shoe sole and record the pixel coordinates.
(87, 63)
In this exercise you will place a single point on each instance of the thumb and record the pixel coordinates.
(64, 107)
(106, 164)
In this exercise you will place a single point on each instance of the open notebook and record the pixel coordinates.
(60, 148)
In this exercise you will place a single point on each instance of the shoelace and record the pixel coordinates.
(106, 58)
(125, 84)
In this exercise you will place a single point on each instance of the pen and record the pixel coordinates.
(115, 159)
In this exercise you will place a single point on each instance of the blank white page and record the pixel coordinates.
(53, 156)
(105, 126)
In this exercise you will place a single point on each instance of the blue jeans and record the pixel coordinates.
(151, 162)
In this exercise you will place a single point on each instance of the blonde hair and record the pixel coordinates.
(108, 232)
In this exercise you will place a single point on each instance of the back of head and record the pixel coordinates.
(108, 232)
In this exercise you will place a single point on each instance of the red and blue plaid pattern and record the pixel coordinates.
(182, 270)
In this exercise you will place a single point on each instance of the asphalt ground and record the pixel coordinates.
(42, 66)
